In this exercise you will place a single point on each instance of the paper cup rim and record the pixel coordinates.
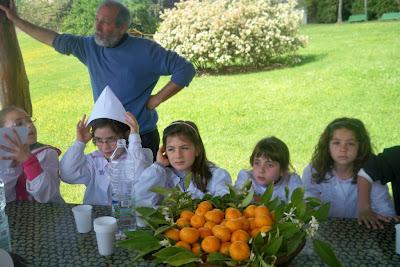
(82, 208)
(102, 224)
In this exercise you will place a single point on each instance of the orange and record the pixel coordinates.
(206, 204)
(189, 234)
(203, 231)
(214, 216)
(187, 214)
(239, 251)
(182, 222)
(255, 231)
(209, 225)
(264, 220)
(196, 249)
(172, 233)
(222, 232)
(261, 211)
(249, 211)
(232, 213)
(234, 224)
(224, 249)
(201, 210)
(251, 223)
(245, 224)
(183, 244)
(197, 221)
(210, 244)
(266, 229)
(240, 235)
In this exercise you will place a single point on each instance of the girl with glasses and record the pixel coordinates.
(92, 169)
(34, 171)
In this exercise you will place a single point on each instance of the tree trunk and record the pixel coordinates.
(14, 84)
(340, 8)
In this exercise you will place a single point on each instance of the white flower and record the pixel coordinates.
(165, 243)
(313, 226)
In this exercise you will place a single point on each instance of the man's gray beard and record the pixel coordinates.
(111, 42)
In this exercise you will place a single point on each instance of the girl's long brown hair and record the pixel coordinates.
(322, 161)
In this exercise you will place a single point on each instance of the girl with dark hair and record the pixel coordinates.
(341, 150)
(33, 172)
(92, 169)
(270, 162)
(181, 156)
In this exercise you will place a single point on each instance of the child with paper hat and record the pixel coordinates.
(108, 122)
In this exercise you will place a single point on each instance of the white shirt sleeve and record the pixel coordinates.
(155, 175)
(365, 175)
(311, 188)
(74, 166)
(218, 185)
(242, 178)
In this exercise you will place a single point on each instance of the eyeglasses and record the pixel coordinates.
(109, 140)
(24, 121)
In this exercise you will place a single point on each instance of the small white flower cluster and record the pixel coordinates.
(167, 215)
(222, 33)
(312, 227)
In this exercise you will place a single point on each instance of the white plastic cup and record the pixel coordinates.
(83, 218)
(105, 228)
(397, 226)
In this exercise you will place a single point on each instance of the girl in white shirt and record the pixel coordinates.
(182, 154)
(33, 173)
(342, 149)
(270, 162)
(92, 169)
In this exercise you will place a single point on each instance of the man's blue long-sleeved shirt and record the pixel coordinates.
(131, 70)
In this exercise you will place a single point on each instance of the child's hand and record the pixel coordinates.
(162, 157)
(371, 219)
(83, 132)
(132, 122)
(19, 152)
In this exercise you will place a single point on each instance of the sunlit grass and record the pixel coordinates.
(348, 70)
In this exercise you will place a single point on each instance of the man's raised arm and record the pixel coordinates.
(39, 33)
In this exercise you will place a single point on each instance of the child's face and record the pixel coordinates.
(181, 153)
(106, 140)
(265, 170)
(21, 118)
(343, 147)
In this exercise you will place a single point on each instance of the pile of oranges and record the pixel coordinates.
(210, 230)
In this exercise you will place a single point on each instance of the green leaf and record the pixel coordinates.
(216, 258)
(175, 256)
(266, 197)
(248, 199)
(162, 229)
(160, 190)
(140, 240)
(300, 209)
(297, 196)
(325, 252)
(187, 180)
(322, 213)
(313, 201)
(294, 242)
(288, 229)
(273, 246)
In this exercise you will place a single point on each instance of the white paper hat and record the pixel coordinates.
(108, 106)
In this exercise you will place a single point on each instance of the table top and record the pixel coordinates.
(45, 235)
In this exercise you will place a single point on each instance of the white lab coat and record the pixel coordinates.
(292, 181)
(92, 169)
(342, 194)
(43, 188)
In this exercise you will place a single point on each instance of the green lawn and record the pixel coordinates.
(348, 70)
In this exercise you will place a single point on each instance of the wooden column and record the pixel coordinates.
(14, 84)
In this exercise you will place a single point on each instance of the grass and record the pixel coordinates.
(348, 70)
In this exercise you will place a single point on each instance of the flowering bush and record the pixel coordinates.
(222, 33)
(232, 230)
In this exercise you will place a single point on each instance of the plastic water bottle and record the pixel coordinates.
(5, 242)
(122, 174)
